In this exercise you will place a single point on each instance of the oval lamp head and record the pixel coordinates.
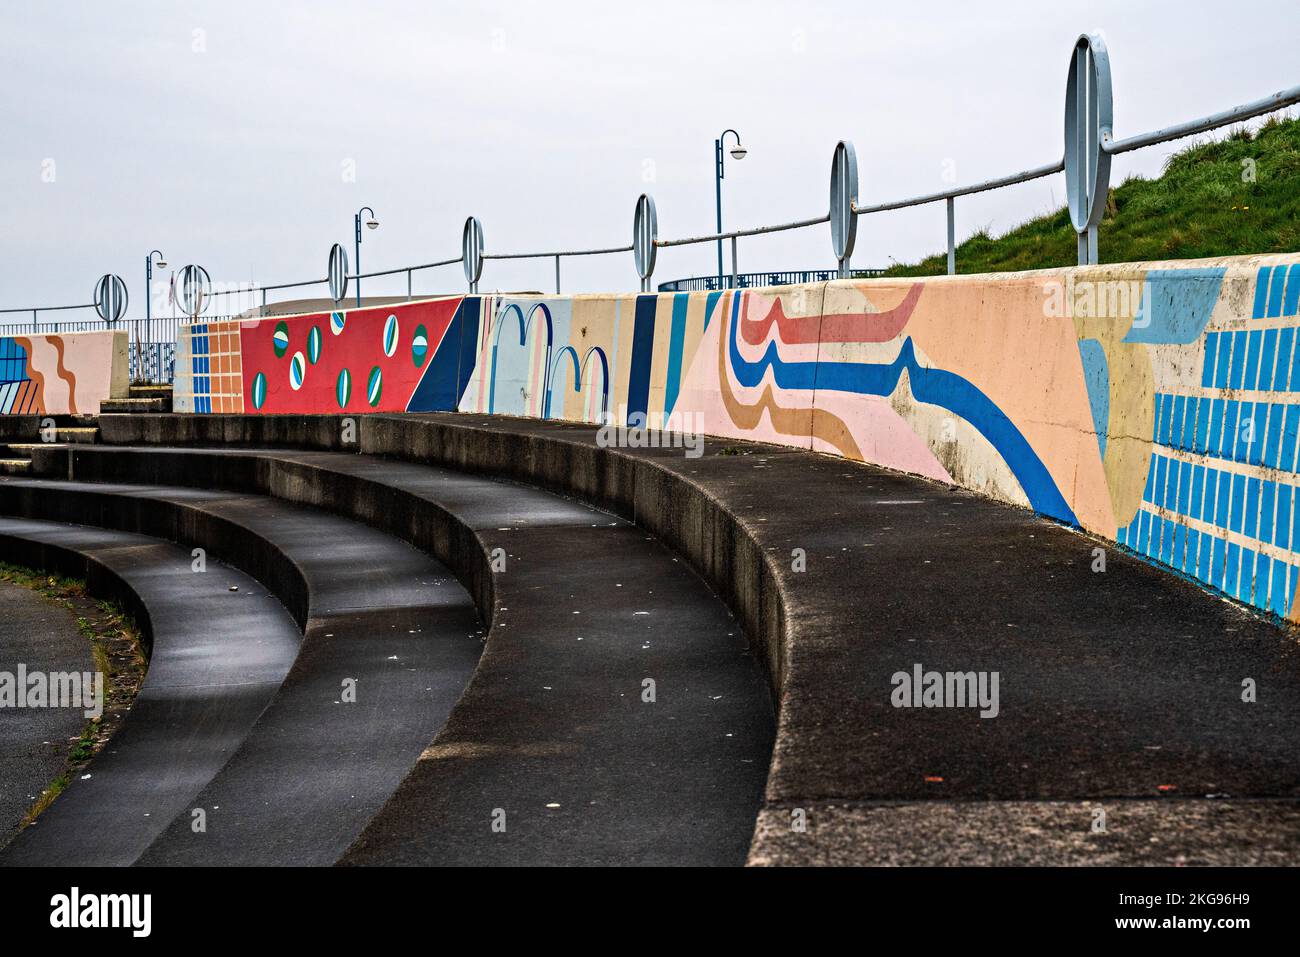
(162, 264)
(372, 223)
(739, 152)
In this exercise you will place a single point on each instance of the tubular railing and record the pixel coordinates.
(1090, 142)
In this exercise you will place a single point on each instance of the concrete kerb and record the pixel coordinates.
(666, 503)
(102, 582)
(418, 521)
(19, 428)
(222, 538)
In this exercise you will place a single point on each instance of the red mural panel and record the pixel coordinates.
(360, 360)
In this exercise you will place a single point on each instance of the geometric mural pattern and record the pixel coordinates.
(1153, 404)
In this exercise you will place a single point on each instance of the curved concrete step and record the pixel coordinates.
(378, 616)
(1120, 690)
(216, 658)
(42, 637)
(553, 730)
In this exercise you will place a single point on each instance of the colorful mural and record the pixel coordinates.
(60, 374)
(1153, 404)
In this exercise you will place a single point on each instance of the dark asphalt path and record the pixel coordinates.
(379, 617)
(553, 729)
(34, 741)
(217, 658)
(1119, 689)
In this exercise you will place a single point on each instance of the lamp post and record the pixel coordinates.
(371, 223)
(737, 152)
(148, 283)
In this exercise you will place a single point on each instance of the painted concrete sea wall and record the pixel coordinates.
(1154, 404)
(59, 374)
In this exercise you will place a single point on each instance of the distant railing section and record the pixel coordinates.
(151, 343)
(1089, 144)
(755, 280)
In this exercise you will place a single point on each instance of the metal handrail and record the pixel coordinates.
(86, 305)
(1014, 179)
(563, 252)
(1237, 114)
(737, 233)
(402, 269)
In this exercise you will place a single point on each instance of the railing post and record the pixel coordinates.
(735, 271)
(408, 285)
(952, 238)
(844, 201)
(1088, 119)
(471, 252)
(557, 274)
(645, 237)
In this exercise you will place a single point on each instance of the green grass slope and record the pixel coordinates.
(1205, 204)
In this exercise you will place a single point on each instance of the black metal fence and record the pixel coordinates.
(751, 280)
(151, 343)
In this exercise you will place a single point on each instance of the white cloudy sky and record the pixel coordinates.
(218, 131)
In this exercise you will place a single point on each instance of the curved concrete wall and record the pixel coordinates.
(1152, 404)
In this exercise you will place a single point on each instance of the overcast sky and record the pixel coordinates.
(224, 133)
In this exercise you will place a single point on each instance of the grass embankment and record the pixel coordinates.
(115, 647)
(1229, 197)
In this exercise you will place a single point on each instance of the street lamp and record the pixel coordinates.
(737, 152)
(148, 283)
(371, 223)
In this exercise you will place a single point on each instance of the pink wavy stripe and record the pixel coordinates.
(840, 327)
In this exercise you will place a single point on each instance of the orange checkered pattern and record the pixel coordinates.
(225, 367)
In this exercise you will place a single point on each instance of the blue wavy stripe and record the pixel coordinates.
(931, 386)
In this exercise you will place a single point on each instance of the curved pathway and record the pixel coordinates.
(44, 637)
(220, 646)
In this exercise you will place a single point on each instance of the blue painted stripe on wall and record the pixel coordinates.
(448, 371)
(1207, 360)
(643, 345)
(1275, 288)
(1251, 380)
(1282, 377)
(1261, 292)
(676, 343)
(1267, 360)
(1221, 364)
(934, 386)
(1237, 369)
(1292, 290)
